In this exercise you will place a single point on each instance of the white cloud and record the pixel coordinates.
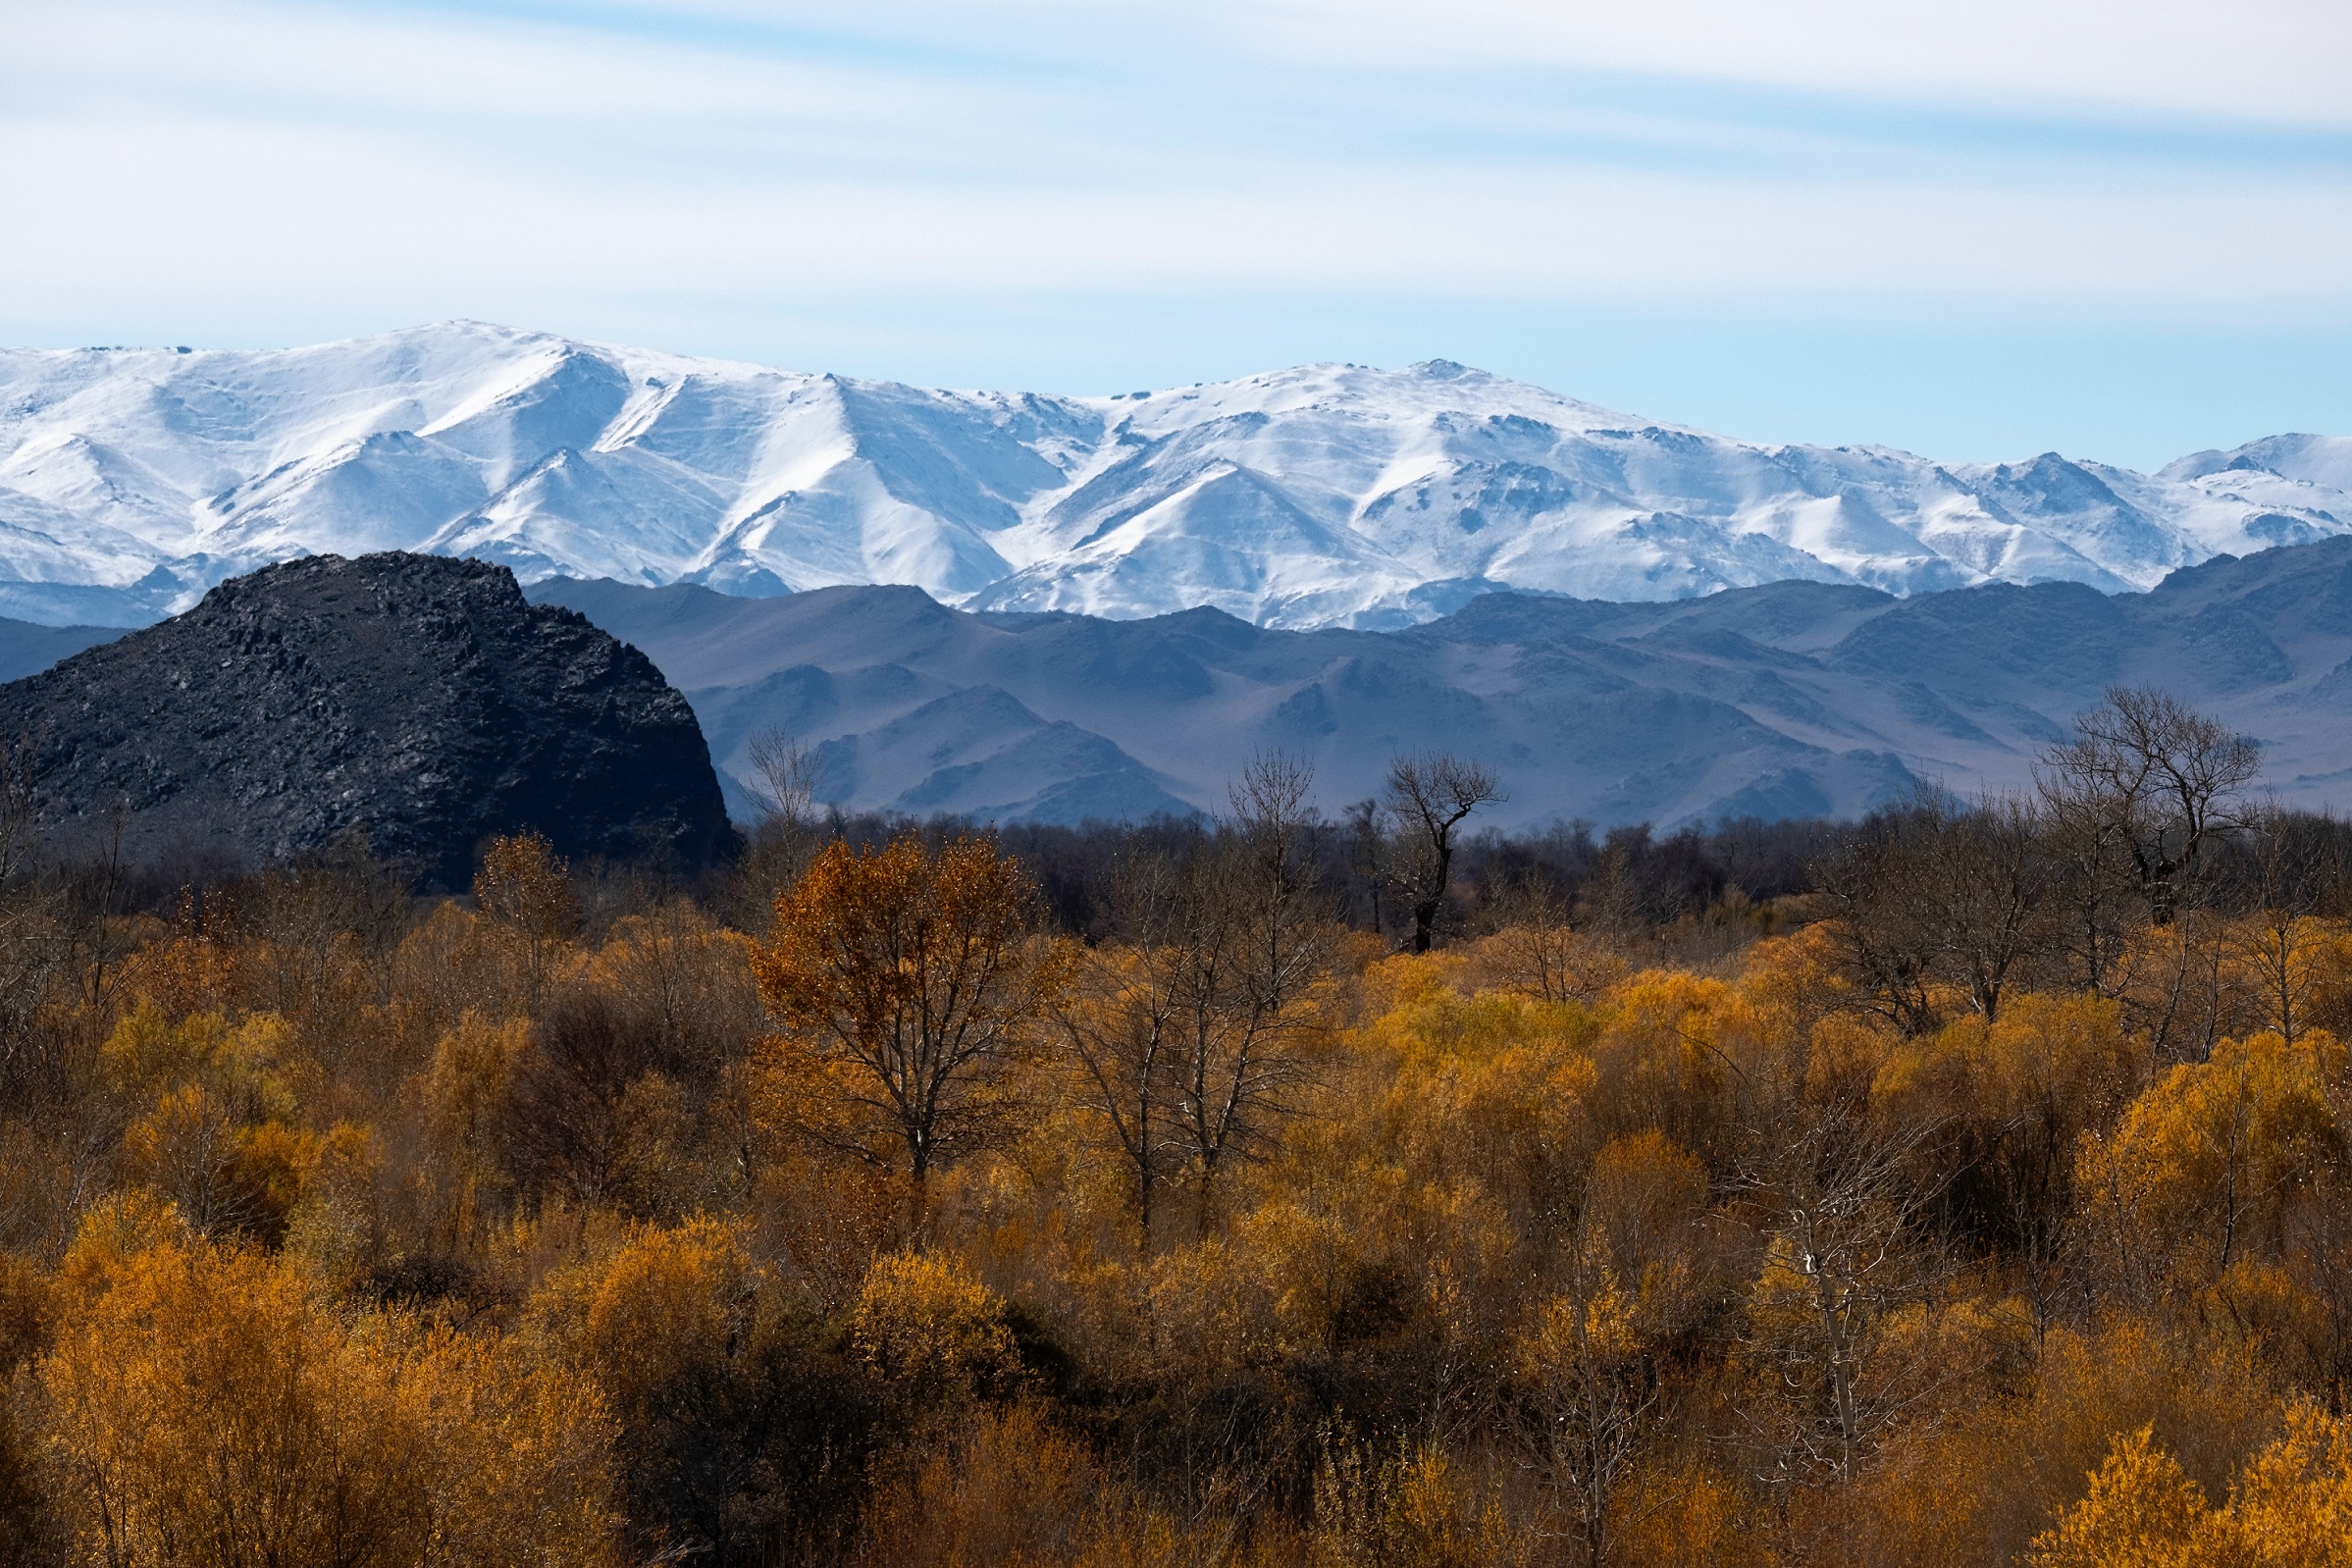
(221, 159)
(2260, 59)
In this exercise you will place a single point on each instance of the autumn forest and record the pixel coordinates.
(1969, 1184)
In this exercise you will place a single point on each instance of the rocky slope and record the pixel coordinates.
(1322, 496)
(422, 700)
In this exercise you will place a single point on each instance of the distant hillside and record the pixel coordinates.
(1318, 496)
(28, 649)
(420, 699)
(1792, 699)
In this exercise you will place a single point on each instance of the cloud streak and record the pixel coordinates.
(276, 167)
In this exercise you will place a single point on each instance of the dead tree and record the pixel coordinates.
(2155, 778)
(1255, 940)
(1429, 794)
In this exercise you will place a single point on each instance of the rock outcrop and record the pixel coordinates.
(419, 699)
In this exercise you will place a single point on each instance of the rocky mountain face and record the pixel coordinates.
(421, 700)
(1790, 699)
(1322, 496)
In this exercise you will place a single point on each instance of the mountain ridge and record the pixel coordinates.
(1788, 699)
(1318, 496)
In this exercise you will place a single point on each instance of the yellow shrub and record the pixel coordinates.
(2293, 1502)
(2207, 1159)
(927, 1327)
(207, 1399)
(662, 1305)
(2142, 1512)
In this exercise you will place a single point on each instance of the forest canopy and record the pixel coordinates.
(1967, 1184)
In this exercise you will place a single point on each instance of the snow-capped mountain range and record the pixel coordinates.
(131, 480)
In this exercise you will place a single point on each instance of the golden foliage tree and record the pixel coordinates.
(908, 985)
(931, 1330)
(2142, 1512)
(658, 1313)
(2292, 1503)
(206, 1406)
(2209, 1162)
(524, 889)
(2289, 1507)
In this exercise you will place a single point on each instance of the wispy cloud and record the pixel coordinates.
(272, 167)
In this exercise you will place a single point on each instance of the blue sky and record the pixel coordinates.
(2121, 231)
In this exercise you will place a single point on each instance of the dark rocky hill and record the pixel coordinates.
(420, 699)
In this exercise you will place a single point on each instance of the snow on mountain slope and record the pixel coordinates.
(132, 479)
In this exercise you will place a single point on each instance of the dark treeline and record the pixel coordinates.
(1630, 879)
(2201, 845)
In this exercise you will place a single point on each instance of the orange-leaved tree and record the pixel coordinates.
(524, 890)
(207, 1404)
(907, 984)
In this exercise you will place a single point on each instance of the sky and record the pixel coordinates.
(1983, 229)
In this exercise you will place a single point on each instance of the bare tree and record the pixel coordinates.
(1429, 794)
(1842, 1208)
(2156, 779)
(783, 788)
(2095, 899)
(1987, 876)
(1255, 942)
(1596, 1391)
(1184, 1034)
(1888, 925)
(1272, 823)
(1536, 949)
(340, 902)
(1611, 898)
(786, 786)
(1121, 1018)
(1633, 1274)
(1368, 856)
(2293, 868)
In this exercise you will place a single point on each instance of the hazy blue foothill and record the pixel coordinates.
(1793, 698)
(28, 649)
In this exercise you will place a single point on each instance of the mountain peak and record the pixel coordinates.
(130, 482)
